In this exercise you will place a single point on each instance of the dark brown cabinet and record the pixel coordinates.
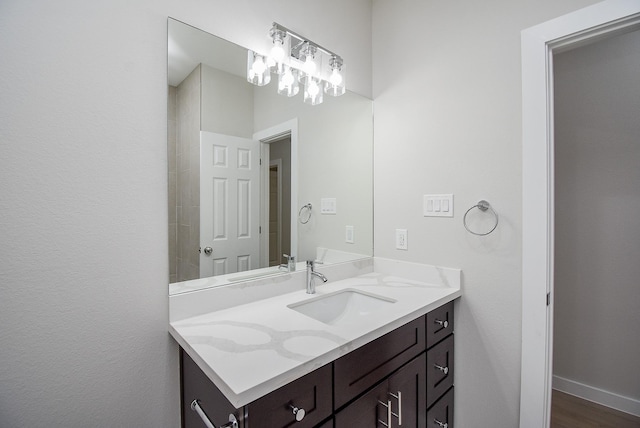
(397, 401)
(402, 379)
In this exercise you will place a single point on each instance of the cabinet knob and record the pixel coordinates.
(440, 424)
(444, 370)
(298, 413)
(444, 323)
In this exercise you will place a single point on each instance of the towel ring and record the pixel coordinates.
(306, 207)
(482, 206)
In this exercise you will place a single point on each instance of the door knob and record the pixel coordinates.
(208, 250)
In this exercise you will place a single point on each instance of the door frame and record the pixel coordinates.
(538, 45)
(278, 164)
(266, 136)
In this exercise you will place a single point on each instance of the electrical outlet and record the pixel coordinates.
(401, 239)
(349, 234)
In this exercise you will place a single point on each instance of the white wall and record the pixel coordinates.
(83, 206)
(596, 319)
(447, 93)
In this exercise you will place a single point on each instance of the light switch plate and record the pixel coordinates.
(349, 235)
(328, 206)
(438, 205)
(401, 239)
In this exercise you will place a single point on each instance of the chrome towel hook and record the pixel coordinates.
(482, 206)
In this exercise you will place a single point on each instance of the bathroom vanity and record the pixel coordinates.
(373, 347)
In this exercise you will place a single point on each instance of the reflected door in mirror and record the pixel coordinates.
(229, 204)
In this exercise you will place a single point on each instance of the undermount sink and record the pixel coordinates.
(342, 306)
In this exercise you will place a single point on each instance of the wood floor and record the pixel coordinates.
(568, 411)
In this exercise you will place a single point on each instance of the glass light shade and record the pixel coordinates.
(279, 51)
(336, 76)
(311, 63)
(258, 71)
(312, 91)
(288, 82)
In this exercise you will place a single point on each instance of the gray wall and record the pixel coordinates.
(188, 109)
(335, 160)
(83, 197)
(597, 292)
(83, 125)
(447, 94)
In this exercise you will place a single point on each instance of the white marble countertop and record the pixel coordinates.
(251, 350)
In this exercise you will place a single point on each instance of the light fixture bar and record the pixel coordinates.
(303, 40)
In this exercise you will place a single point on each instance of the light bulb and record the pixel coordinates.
(287, 79)
(277, 52)
(313, 89)
(258, 66)
(336, 77)
(309, 66)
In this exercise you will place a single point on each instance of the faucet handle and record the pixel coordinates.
(318, 262)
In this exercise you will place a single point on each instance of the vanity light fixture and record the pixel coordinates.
(258, 71)
(298, 61)
(288, 81)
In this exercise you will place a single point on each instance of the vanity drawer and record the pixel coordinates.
(311, 393)
(439, 369)
(364, 367)
(442, 412)
(439, 324)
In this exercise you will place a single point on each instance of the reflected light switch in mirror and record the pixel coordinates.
(328, 206)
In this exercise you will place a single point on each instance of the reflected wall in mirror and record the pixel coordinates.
(244, 160)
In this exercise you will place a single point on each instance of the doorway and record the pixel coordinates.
(279, 224)
(538, 45)
(597, 233)
(279, 146)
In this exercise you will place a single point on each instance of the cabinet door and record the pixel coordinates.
(439, 324)
(367, 411)
(397, 402)
(310, 394)
(441, 414)
(362, 368)
(197, 386)
(439, 369)
(407, 390)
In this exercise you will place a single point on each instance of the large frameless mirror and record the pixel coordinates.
(254, 175)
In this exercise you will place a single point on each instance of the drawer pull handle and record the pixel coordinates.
(389, 413)
(443, 324)
(298, 413)
(195, 406)
(444, 370)
(399, 398)
(440, 424)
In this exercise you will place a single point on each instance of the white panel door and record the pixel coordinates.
(229, 203)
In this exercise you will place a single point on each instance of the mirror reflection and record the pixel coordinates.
(256, 178)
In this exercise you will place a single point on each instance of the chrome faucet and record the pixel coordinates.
(290, 266)
(311, 288)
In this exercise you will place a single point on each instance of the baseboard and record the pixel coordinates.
(597, 395)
